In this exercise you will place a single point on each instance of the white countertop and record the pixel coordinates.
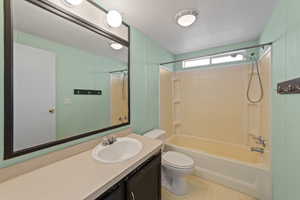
(76, 178)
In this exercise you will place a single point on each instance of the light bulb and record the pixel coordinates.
(186, 18)
(116, 46)
(114, 18)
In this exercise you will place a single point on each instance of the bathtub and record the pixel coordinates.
(232, 165)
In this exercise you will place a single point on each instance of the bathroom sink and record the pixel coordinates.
(123, 149)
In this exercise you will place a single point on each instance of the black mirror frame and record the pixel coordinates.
(8, 73)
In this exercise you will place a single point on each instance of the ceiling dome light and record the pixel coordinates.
(116, 46)
(186, 18)
(114, 18)
(73, 2)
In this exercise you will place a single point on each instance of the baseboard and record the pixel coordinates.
(249, 189)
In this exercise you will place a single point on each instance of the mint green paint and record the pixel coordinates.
(77, 69)
(284, 30)
(145, 57)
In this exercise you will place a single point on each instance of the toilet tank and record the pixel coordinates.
(157, 134)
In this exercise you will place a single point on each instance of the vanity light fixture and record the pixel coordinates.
(116, 46)
(114, 18)
(186, 18)
(72, 2)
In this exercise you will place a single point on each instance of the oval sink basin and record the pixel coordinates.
(123, 149)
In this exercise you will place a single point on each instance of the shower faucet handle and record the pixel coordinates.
(259, 140)
(262, 141)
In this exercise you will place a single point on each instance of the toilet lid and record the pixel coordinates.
(178, 160)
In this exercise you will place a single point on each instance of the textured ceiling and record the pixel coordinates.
(221, 22)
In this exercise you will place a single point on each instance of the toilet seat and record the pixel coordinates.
(177, 160)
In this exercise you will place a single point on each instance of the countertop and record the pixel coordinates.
(78, 177)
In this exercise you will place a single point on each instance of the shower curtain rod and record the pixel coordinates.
(124, 70)
(223, 52)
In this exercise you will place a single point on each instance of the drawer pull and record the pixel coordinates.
(132, 195)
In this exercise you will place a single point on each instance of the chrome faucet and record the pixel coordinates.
(259, 140)
(258, 149)
(109, 140)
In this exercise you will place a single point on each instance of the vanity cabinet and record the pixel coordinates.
(115, 193)
(144, 183)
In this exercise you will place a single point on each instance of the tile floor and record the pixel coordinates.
(201, 189)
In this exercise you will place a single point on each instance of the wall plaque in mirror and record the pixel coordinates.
(63, 79)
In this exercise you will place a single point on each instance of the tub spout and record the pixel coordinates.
(258, 149)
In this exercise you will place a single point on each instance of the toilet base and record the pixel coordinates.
(179, 186)
(174, 184)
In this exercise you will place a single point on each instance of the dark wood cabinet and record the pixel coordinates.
(116, 193)
(144, 183)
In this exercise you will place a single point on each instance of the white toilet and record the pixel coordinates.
(175, 166)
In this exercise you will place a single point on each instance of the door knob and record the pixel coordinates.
(52, 110)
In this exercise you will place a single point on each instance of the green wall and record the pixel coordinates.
(77, 69)
(146, 55)
(284, 30)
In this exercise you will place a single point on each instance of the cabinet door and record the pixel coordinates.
(145, 184)
(116, 193)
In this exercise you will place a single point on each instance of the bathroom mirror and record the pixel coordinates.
(65, 78)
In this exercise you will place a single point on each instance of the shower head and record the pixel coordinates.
(249, 55)
(238, 53)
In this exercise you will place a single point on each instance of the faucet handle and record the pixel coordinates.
(105, 141)
(262, 141)
(259, 139)
(112, 139)
(108, 140)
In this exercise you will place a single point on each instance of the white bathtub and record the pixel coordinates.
(231, 165)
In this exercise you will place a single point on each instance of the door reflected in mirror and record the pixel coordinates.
(67, 79)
